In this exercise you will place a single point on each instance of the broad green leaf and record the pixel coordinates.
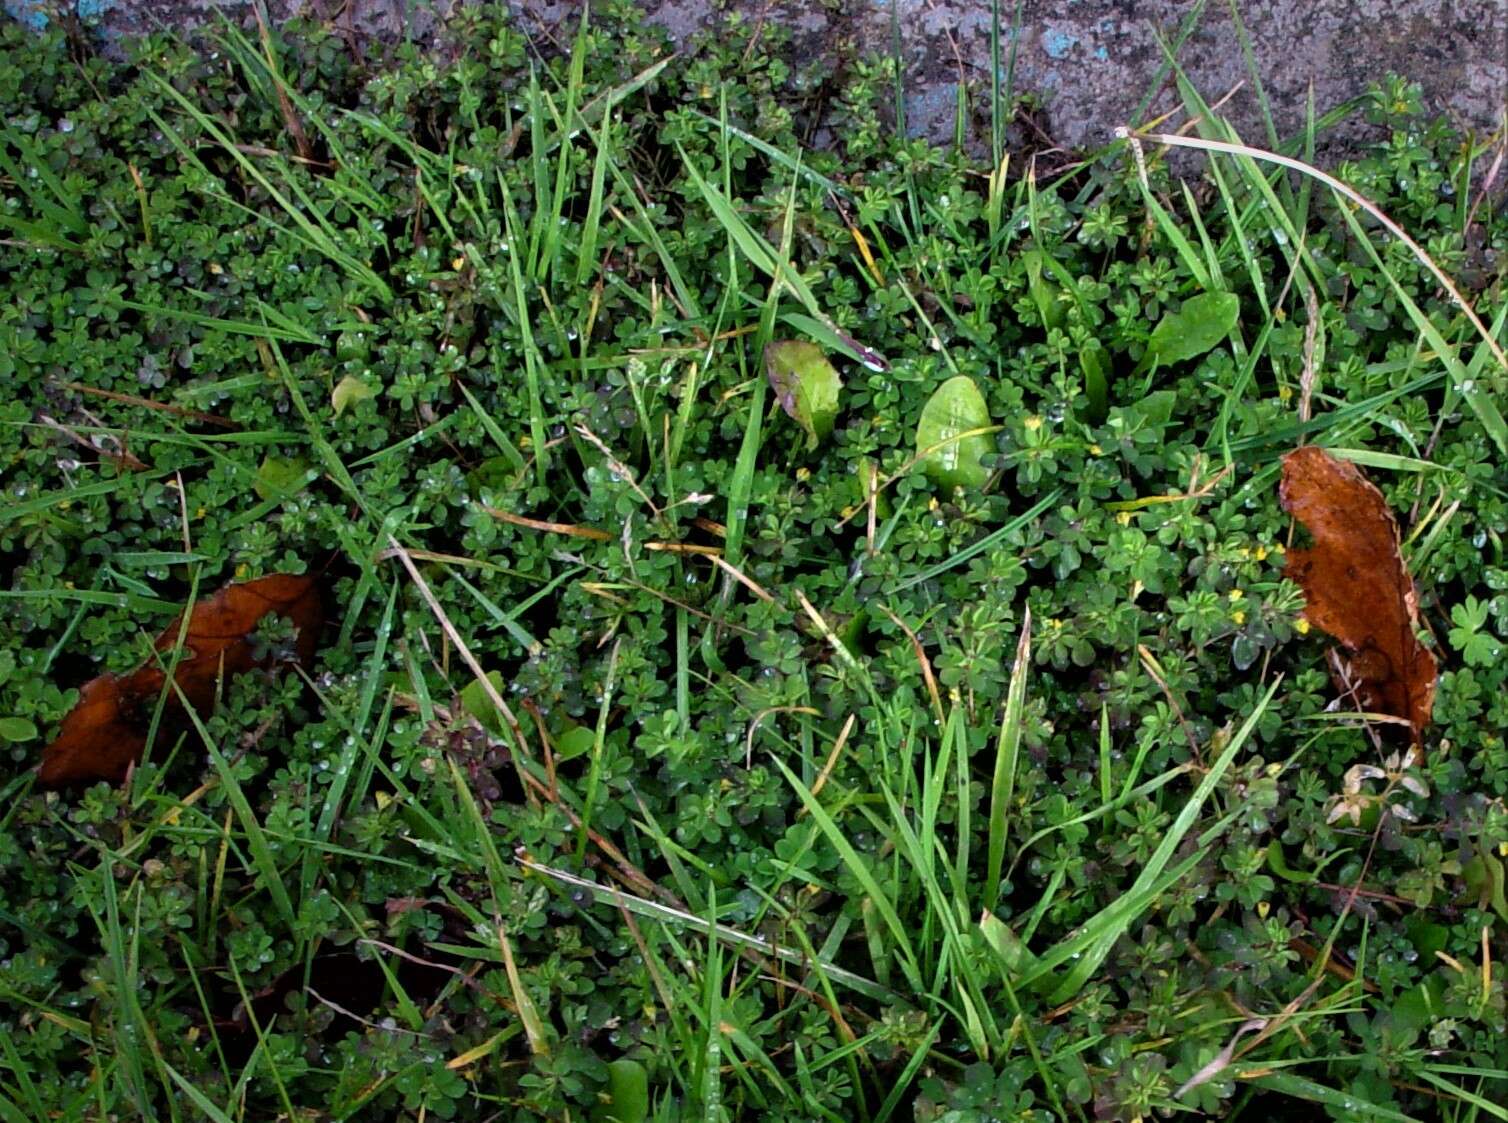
(1013, 954)
(1277, 862)
(1044, 292)
(475, 702)
(280, 477)
(628, 1094)
(1201, 323)
(947, 456)
(494, 473)
(16, 729)
(348, 391)
(1484, 877)
(578, 740)
(1427, 936)
(805, 384)
(1096, 367)
(1152, 411)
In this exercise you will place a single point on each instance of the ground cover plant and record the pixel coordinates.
(805, 632)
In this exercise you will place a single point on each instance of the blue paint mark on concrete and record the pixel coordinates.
(33, 14)
(929, 111)
(1057, 43)
(1102, 54)
(28, 12)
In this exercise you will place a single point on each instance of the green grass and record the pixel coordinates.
(645, 744)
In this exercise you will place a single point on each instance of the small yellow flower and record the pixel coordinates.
(803, 474)
(1301, 626)
(1260, 553)
(458, 263)
(1033, 423)
(1284, 393)
(1236, 594)
(1123, 517)
(1238, 616)
(1097, 450)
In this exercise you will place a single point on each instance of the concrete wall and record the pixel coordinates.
(1093, 60)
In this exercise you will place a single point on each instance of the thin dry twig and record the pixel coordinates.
(1492, 174)
(147, 403)
(917, 458)
(1311, 338)
(570, 529)
(922, 661)
(121, 454)
(617, 467)
(1153, 668)
(285, 105)
(832, 760)
(339, 1009)
(759, 720)
(493, 696)
(743, 579)
(1285, 1015)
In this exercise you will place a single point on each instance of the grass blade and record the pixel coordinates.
(1007, 752)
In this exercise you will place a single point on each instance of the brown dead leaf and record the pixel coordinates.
(1356, 586)
(105, 733)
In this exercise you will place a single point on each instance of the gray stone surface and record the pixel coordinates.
(1095, 60)
(1092, 60)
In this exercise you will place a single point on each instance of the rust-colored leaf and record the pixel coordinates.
(105, 733)
(1356, 586)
